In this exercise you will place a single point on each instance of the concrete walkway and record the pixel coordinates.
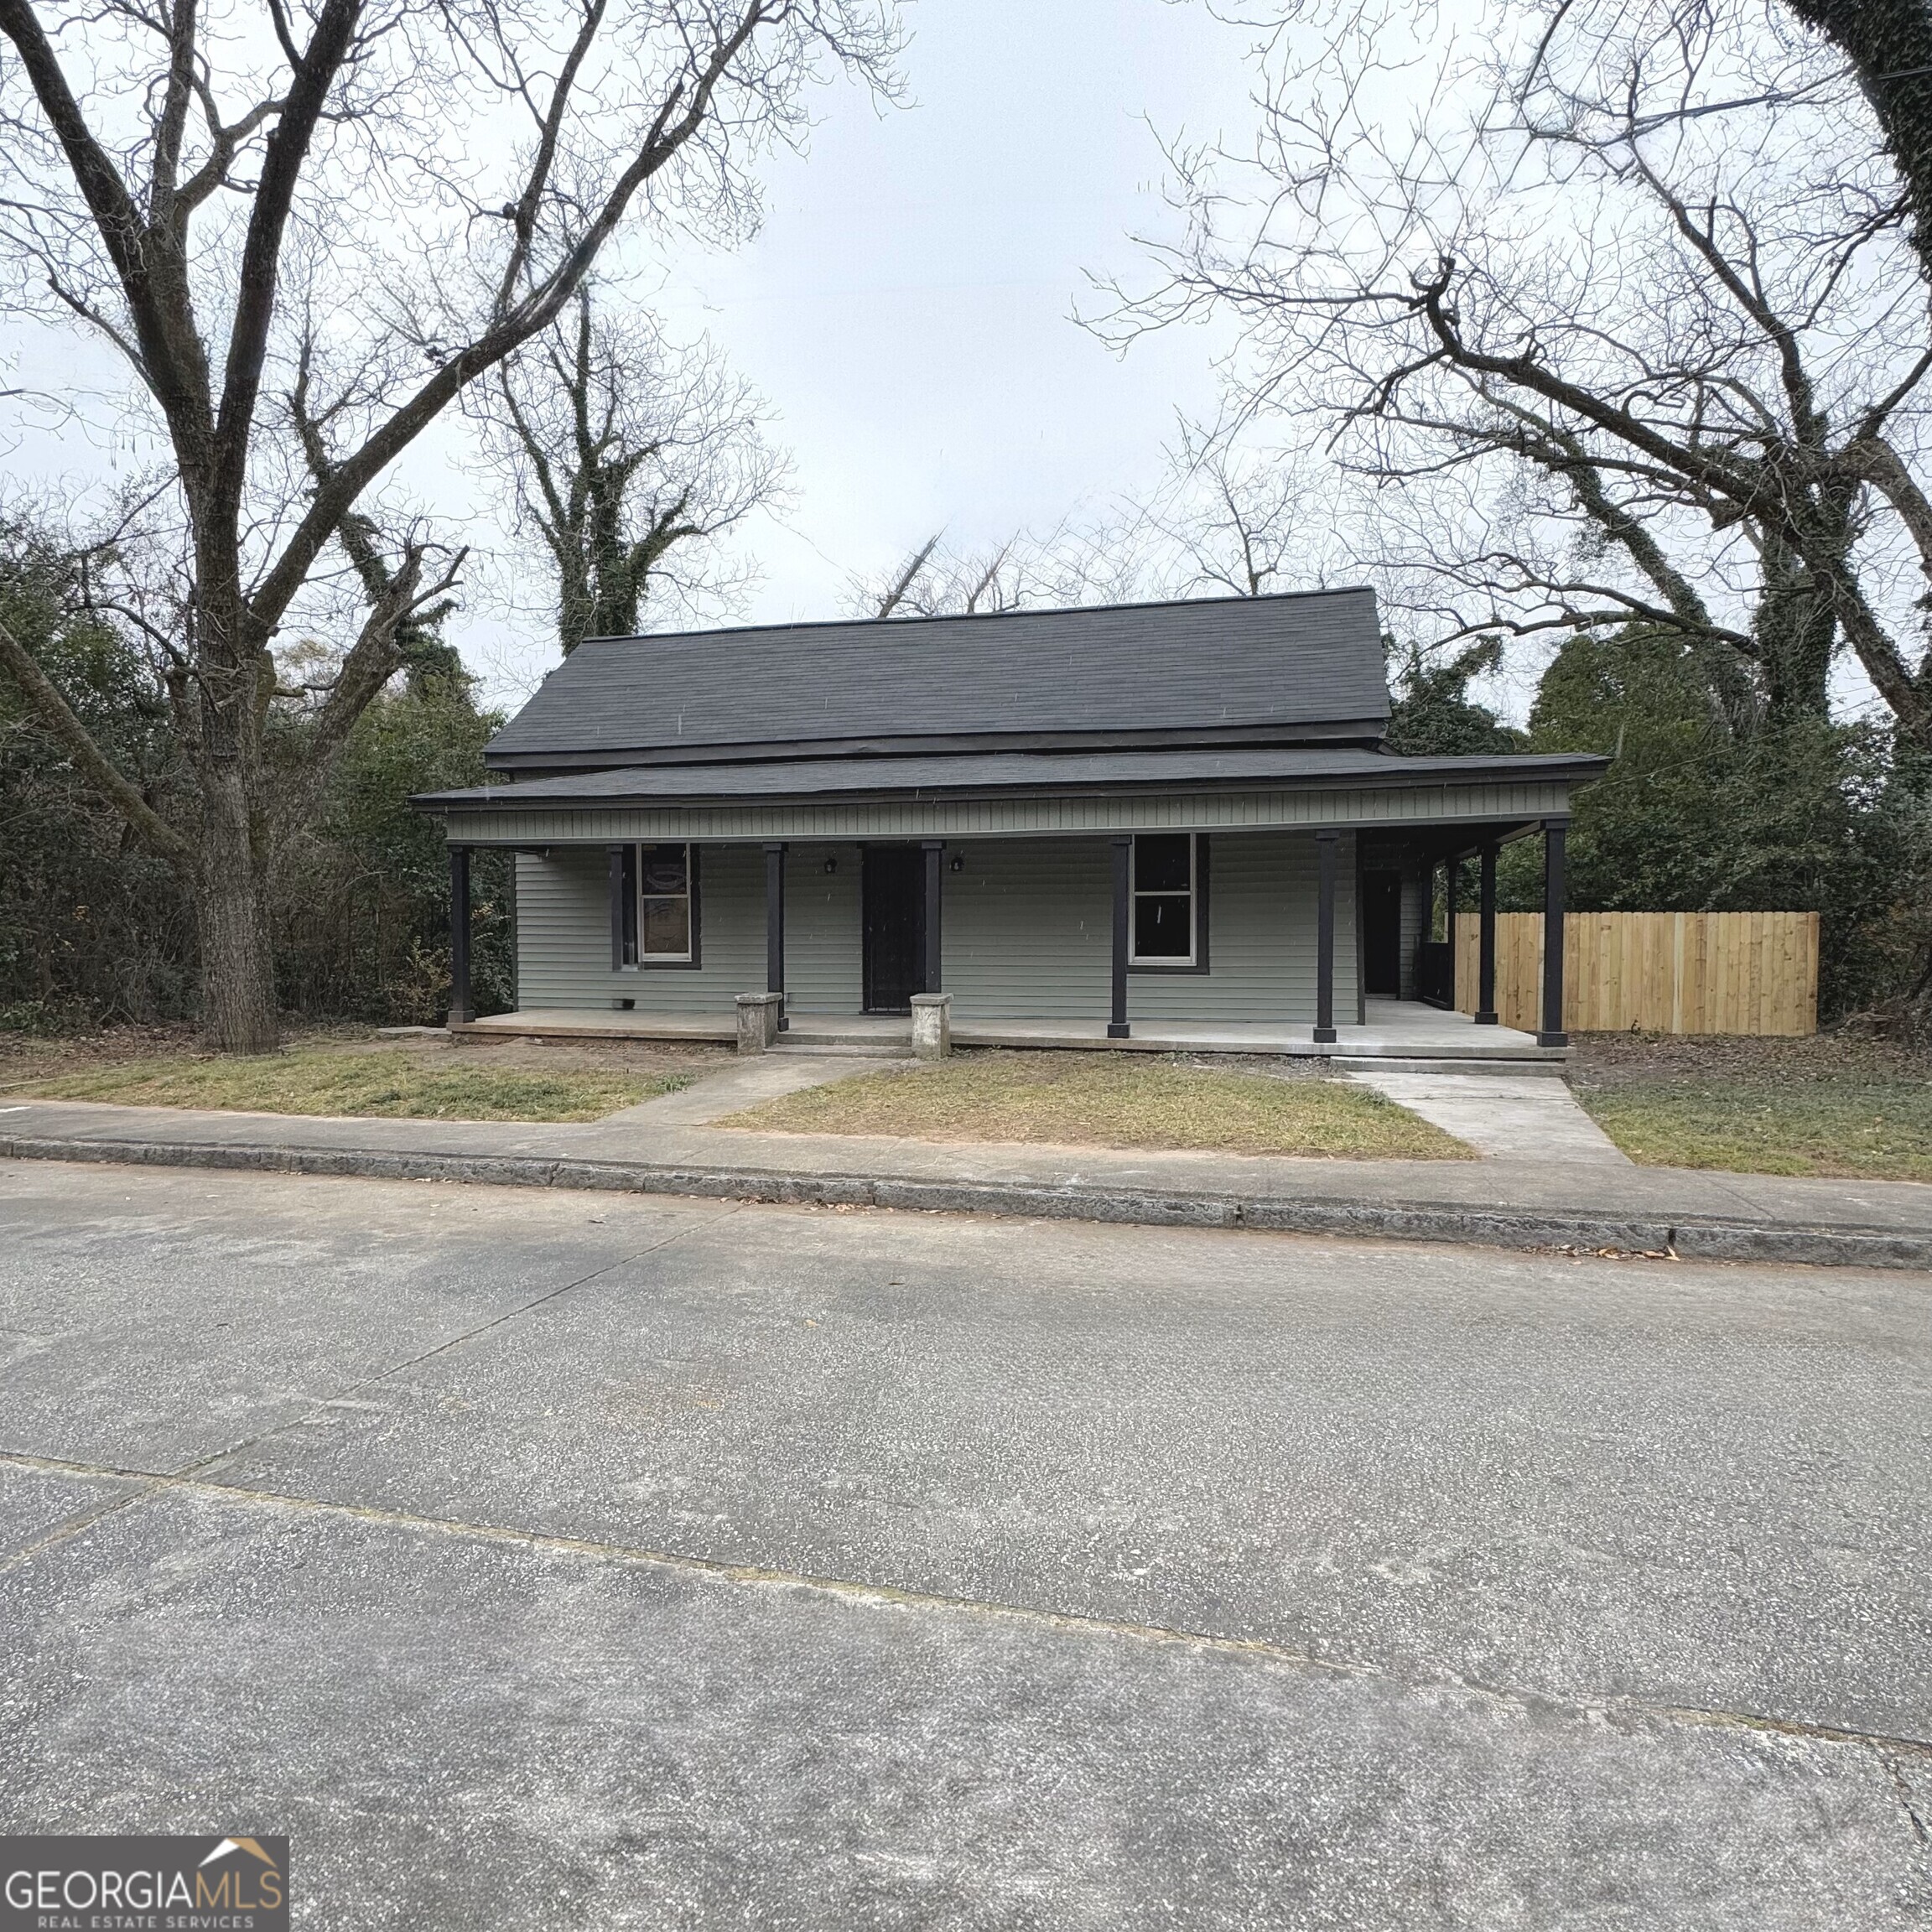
(1503, 1116)
(746, 1084)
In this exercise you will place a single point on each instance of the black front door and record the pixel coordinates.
(895, 897)
(1382, 934)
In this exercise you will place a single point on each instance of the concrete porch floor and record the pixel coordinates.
(1398, 1029)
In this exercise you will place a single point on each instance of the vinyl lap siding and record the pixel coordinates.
(1412, 933)
(823, 965)
(563, 933)
(1028, 934)
(1026, 929)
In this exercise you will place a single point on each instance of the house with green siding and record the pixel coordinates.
(1145, 825)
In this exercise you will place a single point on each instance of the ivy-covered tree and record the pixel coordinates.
(629, 457)
(1432, 714)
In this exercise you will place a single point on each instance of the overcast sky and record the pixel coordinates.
(908, 305)
(906, 308)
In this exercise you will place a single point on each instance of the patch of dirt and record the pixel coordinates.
(27, 1056)
(1603, 1061)
(1272, 1065)
(696, 1057)
(25, 1059)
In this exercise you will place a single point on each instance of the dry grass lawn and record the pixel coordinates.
(345, 1071)
(1109, 1100)
(1858, 1110)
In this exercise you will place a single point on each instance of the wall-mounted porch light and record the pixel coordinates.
(831, 866)
(959, 861)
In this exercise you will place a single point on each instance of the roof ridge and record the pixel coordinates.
(983, 616)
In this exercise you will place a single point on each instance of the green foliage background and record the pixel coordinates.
(90, 922)
(95, 928)
(1796, 813)
(1799, 814)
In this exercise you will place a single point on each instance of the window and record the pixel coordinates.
(667, 906)
(1166, 900)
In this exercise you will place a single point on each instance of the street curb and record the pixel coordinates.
(1694, 1237)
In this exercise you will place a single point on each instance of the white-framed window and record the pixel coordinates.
(1164, 920)
(666, 906)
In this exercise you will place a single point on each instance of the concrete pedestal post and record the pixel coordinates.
(932, 1025)
(758, 1016)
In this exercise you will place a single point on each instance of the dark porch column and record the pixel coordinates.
(1485, 940)
(1117, 1012)
(1552, 1033)
(1325, 845)
(1451, 879)
(462, 1010)
(775, 926)
(935, 851)
(619, 917)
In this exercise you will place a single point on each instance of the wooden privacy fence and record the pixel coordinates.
(1659, 972)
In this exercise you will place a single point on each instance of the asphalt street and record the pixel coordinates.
(549, 1560)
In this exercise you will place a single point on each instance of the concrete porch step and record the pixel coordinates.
(874, 1038)
(842, 1049)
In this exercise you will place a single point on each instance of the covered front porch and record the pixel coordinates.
(1399, 1030)
(1257, 902)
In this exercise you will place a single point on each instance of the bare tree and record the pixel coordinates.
(1235, 517)
(1618, 323)
(1228, 518)
(346, 213)
(1889, 43)
(1020, 572)
(629, 456)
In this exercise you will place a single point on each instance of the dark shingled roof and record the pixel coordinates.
(1215, 665)
(1011, 772)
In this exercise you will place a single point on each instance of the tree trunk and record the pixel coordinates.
(238, 1006)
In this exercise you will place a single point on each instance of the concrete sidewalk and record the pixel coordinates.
(1502, 1203)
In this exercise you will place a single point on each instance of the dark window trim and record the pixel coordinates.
(635, 867)
(1199, 965)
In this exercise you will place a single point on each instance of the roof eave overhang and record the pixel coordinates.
(1570, 768)
(1367, 731)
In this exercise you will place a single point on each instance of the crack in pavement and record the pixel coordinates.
(148, 1484)
(1907, 1799)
